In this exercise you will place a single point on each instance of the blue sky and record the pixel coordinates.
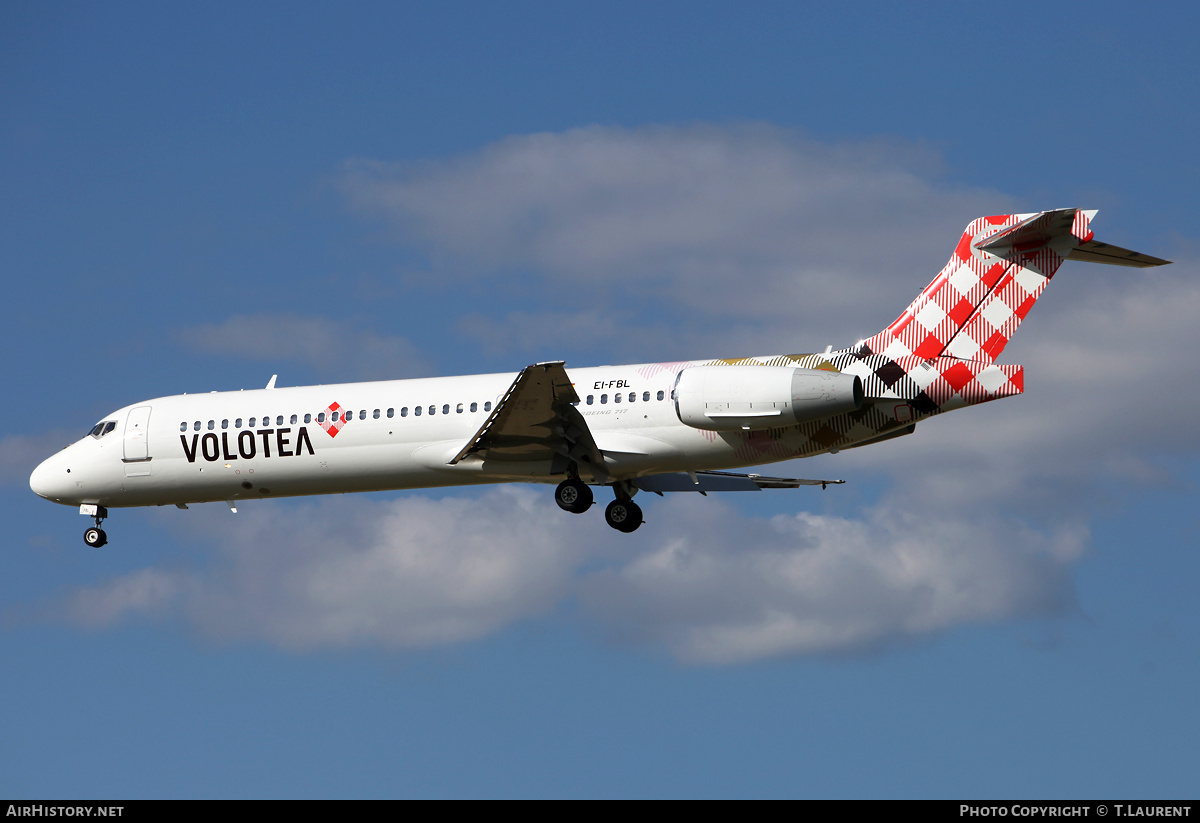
(196, 197)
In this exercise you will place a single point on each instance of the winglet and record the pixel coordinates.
(271, 384)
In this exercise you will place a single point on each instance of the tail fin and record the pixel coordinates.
(998, 271)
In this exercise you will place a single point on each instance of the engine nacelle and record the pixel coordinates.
(730, 398)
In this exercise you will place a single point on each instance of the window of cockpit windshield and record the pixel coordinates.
(102, 428)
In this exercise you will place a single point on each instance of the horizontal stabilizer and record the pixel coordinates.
(705, 482)
(1063, 228)
(1094, 251)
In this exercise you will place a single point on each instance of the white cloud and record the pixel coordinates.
(147, 591)
(746, 221)
(720, 588)
(559, 334)
(328, 346)
(413, 572)
(707, 583)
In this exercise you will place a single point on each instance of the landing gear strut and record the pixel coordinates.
(573, 495)
(95, 536)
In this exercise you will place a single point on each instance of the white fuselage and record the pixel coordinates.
(278, 442)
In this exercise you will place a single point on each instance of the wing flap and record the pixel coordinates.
(713, 481)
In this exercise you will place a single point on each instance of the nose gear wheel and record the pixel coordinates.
(95, 536)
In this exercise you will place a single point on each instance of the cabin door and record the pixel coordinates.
(137, 442)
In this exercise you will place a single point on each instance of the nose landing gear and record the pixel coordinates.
(95, 536)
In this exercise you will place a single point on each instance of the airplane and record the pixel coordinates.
(653, 427)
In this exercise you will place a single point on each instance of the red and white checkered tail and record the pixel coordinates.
(997, 272)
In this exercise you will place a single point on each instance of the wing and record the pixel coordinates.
(705, 482)
(537, 420)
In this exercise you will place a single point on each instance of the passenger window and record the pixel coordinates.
(334, 417)
(446, 409)
(251, 423)
(225, 423)
(660, 394)
(375, 414)
(308, 418)
(417, 411)
(279, 420)
(646, 396)
(391, 413)
(237, 424)
(458, 409)
(212, 424)
(487, 406)
(197, 426)
(320, 418)
(295, 419)
(617, 397)
(632, 396)
(362, 415)
(603, 399)
(474, 407)
(183, 427)
(591, 397)
(404, 411)
(433, 409)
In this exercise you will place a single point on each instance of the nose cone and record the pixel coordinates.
(52, 479)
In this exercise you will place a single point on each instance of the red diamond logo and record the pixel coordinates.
(330, 425)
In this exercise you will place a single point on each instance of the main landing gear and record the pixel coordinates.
(623, 515)
(95, 536)
(575, 496)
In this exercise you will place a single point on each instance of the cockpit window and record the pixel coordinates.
(102, 428)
